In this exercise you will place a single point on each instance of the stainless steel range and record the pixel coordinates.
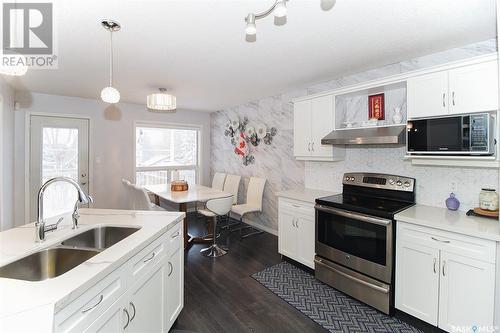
(355, 236)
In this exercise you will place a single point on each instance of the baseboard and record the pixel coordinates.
(258, 226)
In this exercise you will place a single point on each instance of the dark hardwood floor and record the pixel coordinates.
(221, 296)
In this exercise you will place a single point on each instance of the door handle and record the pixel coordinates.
(440, 240)
(84, 174)
(150, 258)
(175, 235)
(293, 222)
(444, 265)
(128, 318)
(444, 96)
(312, 146)
(171, 268)
(453, 98)
(309, 146)
(83, 183)
(435, 261)
(133, 308)
(93, 306)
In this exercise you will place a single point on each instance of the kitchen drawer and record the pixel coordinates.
(175, 237)
(467, 246)
(296, 207)
(88, 307)
(148, 257)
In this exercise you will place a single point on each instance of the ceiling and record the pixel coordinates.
(197, 48)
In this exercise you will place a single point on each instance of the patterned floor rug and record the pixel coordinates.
(328, 307)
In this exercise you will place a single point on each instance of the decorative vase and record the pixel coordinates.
(452, 203)
(397, 117)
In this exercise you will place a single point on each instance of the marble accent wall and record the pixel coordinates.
(283, 172)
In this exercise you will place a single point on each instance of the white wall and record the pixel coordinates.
(112, 142)
(6, 156)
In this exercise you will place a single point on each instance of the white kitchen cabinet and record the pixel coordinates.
(466, 292)
(313, 119)
(428, 95)
(112, 320)
(474, 88)
(417, 281)
(175, 276)
(296, 231)
(465, 89)
(443, 278)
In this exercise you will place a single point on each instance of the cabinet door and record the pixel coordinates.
(175, 286)
(287, 231)
(466, 292)
(417, 280)
(428, 95)
(474, 88)
(302, 128)
(112, 320)
(322, 123)
(306, 240)
(147, 301)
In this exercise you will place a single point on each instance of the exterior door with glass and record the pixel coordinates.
(59, 147)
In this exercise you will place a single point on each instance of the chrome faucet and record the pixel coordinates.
(83, 198)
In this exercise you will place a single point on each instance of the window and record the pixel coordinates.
(160, 150)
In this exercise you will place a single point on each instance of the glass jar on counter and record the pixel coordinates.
(488, 199)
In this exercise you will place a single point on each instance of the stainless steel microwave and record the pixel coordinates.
(471, 134)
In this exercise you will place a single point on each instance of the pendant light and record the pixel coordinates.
(110, 94)
(17, 63)
(161, 101)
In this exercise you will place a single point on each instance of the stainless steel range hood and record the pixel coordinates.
(367, 136)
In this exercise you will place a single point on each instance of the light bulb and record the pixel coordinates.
(280, 9)
(110, 95)
(251, 29)
(15, 66)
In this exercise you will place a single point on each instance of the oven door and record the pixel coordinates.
(358, 241)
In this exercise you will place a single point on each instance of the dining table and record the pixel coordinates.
(181, 199)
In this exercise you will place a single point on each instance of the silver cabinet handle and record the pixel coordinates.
(440, 240)
(171, 268)
(150, 258)
(312, 146)
(176, 235)
(453, 98)
(297, 223)
(444, 265)
(133, 308)
(435, 261)
(128, 318)
(293, 222)
(444, 96)
(309, 146)
(101, 297)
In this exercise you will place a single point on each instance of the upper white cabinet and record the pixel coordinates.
(465, 89)
(443, 278)
(313, 119)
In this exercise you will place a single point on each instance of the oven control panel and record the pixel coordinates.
(375, 180)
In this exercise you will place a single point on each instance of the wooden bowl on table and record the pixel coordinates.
(179, 186)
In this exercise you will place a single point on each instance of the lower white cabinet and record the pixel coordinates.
(146, 293)
(445, 279)
(296, 225)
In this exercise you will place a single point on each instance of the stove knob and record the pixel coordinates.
(392, 181)
(347, 178)
(353, 179)
(399, 183)
(407, 184)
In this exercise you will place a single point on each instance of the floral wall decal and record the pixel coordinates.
(246, 138)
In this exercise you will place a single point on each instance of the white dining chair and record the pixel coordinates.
(129, 194)
(138, 198)
(218, 181)
(216, 208)
(232, 185)
(255, 194)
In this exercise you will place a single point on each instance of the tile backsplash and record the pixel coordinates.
(283, 172)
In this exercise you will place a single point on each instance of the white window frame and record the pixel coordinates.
(197, 167)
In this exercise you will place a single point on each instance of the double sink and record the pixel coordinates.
(57, 260)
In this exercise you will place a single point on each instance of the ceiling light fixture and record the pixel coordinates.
(110, 94)
(279, 9)
(161, 101)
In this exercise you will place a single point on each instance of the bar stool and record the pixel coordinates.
(215, 209)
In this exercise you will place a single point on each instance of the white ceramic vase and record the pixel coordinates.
(397, 118)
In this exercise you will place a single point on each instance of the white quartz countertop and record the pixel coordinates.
(454, 221)
(18, 296)
(304, 194)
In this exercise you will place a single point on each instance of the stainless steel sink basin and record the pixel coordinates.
(99, 238)
(46, 264)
